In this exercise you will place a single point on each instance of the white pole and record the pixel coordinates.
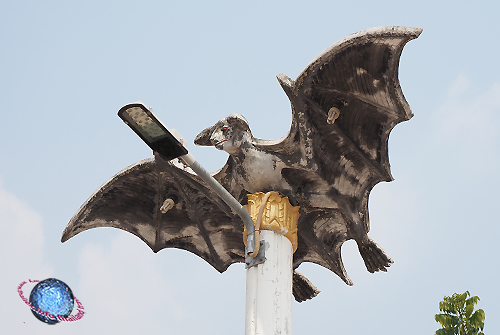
(269, 288)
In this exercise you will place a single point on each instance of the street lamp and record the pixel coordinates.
(267, 286)
(145, 124)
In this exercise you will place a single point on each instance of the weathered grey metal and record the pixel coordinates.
(259, 259)
(199, 222)
(327, 164)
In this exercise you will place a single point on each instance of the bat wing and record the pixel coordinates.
(198, 222)
(344, 105)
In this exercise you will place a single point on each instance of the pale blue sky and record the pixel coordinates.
(66, 67)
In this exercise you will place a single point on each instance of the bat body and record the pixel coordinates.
(344, 105)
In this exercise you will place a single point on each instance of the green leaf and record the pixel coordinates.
(446, 320)
(447, 307)
(468, 310)
(444, 331)
(472, 300)
(477, 319)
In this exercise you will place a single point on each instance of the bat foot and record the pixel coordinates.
(302, 288)
(375, 258)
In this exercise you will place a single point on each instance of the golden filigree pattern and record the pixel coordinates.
(279, 215)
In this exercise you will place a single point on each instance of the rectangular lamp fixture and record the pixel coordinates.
(138, 117)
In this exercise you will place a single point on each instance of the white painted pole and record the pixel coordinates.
(269, 289)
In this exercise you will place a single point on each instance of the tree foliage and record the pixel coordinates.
(459, 317)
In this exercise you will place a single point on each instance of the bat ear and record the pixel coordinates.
(203, 138)
(238, 119)
(287, 84)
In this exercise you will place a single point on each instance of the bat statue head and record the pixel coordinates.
(229, 134)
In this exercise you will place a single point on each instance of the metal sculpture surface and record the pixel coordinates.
(344, 105)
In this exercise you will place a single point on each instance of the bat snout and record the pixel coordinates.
(205, 137)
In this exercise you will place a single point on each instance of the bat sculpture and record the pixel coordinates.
(344, 105)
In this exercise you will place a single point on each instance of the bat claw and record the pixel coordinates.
(375, 258)
(302, 287)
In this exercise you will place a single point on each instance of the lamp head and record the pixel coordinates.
(145, 124)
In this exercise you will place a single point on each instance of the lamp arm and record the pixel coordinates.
(214, 185)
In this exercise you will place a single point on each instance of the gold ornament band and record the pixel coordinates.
(279, 215)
